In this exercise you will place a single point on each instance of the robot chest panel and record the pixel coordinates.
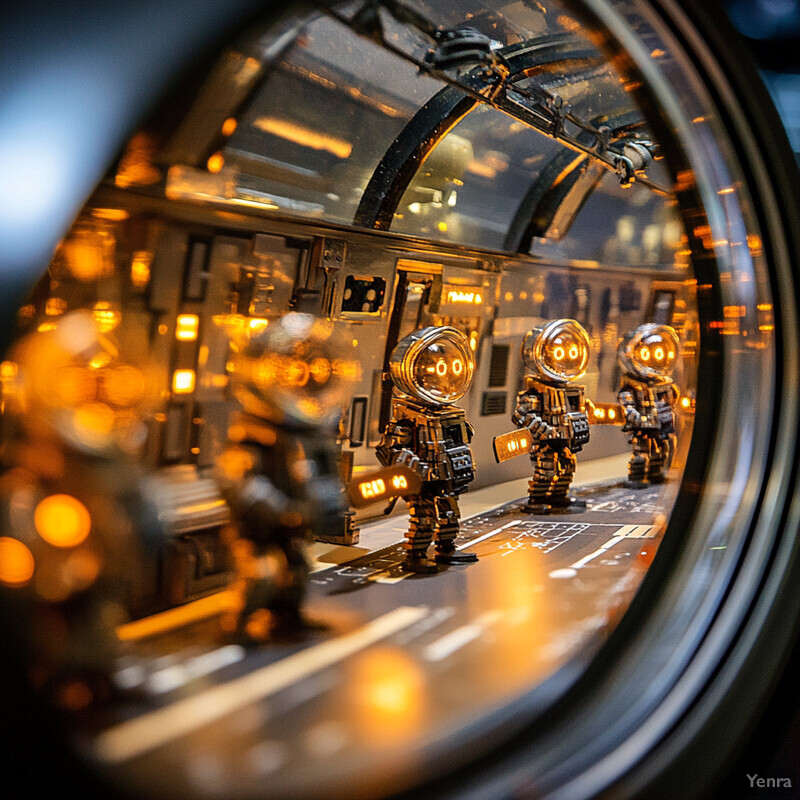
(563, 410)
(443, 444)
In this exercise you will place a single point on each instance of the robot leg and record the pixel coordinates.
(638, 464)
(447, 517)
(540, 486)
(565, 471)
(422, 520)
(660, 459)
(274, 588)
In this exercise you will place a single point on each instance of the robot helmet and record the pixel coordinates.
(434, 365)
(295, 372)
(73, 385)
(557, 351)
(649, 351)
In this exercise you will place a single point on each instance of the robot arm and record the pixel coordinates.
(470, 431)
(395, 446)
(253, 497)
(526, 416)
(633, 419)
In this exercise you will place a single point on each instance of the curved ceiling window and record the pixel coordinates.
(257, 557)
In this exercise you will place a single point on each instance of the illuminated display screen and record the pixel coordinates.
(511, 445)
(463, 295)
(383, 484)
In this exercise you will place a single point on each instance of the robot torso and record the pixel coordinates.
(439, 437)
(562, 407)
(654, 401)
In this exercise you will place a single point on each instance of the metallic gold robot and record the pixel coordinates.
(553, 408)
(648, 396)
(73, 504)
(431, 369)
(279, 472)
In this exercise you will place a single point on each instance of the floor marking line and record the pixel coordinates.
(600, 550)
(487, 535)
(134, 737)
(384, 575)
(218, 603)
(460, 637)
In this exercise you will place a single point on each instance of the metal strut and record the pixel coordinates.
(478, 66)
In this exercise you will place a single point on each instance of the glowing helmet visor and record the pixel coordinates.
(295, 371)
(434, 365)
(559, 351)
(650, 351)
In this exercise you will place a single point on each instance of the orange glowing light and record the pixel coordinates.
(9, 370)
(55, 306)
(89, 254)
(458, 296)
(62, 520)
(140, 268)
(124, 385)
(186, 327)
(216, 162)
(16, 562)
(389, 690)
(296, 373)
(93, 421)
(320, 370)
(106, 316)
(74, 385)
(399, 482)
(346, 369)
(183, 381)
(229, 126)
(111, 214)
(307, 137)
(685, 402)
(372, 488)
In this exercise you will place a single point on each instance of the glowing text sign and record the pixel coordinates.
(383, 484)
(511, 445)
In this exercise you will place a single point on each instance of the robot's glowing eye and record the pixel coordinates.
(441, 367)
(458, 366)
(659, 353)
(573, 352)
(320, 370)
(558, 353)
(296, 373)
(644, 354)
(671, 354)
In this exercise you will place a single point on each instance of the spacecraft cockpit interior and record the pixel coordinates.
(493, 277)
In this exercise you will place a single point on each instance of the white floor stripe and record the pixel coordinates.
(487, 535)
(455, 640)
(586, 559)
(130, 739)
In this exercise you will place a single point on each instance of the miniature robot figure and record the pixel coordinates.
(431, 369)
(554, 411)
(280, 472)
(73, 502)
(648, 395)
